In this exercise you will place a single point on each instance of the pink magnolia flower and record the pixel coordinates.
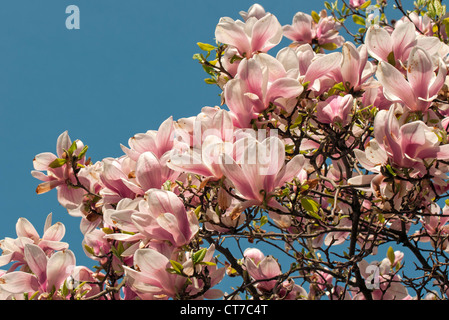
(198, 149)
(250, 37)
(335, 109)
(156, 141)
(115, 177)
(262, 268)
(58, 175)
(260, 169)
(305, 30)
(256, 10)
(160, 217)
(318, 70)
(396, 47)
(356, 3)
(436, 228)
(407, 145)
(150, 279)
(385, 284)
(48, 274)
(355, 68)
(13, 249)
(259, 82)
(422, 86)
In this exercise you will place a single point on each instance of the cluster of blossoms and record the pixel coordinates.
(326, 150)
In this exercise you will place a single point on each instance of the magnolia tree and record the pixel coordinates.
(318, 157)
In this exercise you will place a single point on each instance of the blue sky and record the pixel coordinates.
(127, 69)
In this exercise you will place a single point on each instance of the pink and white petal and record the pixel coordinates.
(19, 282)
(59, 267)
(43, 160)
(290, 170)
(148, 171)
(168, 222)
(165, 137)
(237, 176)
(283, 88)
(55, 232)
(378, 43)
(25, 229)
(362, 182)
(395, 87)
(63, 143)
(70, 198)
(266, 33)
(420, 72)
(403, 39)
(322, 66)
(229, 32)
(36, 261)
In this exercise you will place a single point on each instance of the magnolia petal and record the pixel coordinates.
(59, 267)
(55, 232)
(378, 43)
(395, 87)
(148, 171)
(19, 282)
(229, 32)
(24, 228)
(37, 261)
(267, 33)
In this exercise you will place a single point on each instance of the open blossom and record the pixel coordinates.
(13, 249)
(422, 85)
(397, 46)
(160, 217)
(355, 69)
(380, 276)
(265, 270)
(336, 109)
(199, 146)
(260, 168)
(305, 30)
(252, 36)
(48, 274)
(356, 3)
(58, 175)
(150, 278)
(259, 81)
(156, 141)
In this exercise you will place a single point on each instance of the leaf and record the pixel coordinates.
(210, 81)
(311, 207)
(72, 148)
(205, 46)
(207, 263)
(390, 255)
(83, 152)
(315, 16)
(365, 5)
(329, 46)
(391, 59)
(65, 289)
(358, 20)
(177, 267)
(199, 255)
(57, 163)
(263, 220)
(89, 249)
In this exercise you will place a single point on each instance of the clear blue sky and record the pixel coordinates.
(127, 69)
